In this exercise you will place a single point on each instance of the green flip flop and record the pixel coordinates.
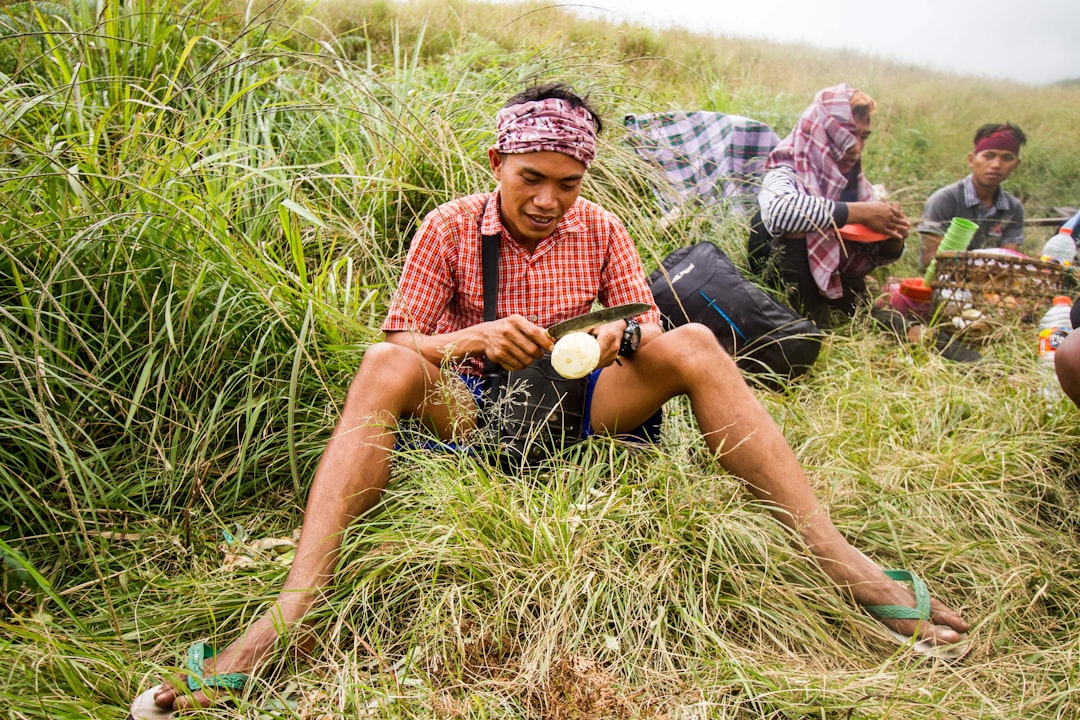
(921, 612)
(144, 707)
(197, 655)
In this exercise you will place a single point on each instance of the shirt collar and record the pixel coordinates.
(490, 223)
(972, 200)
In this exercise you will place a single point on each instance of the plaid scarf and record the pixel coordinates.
(813, 150)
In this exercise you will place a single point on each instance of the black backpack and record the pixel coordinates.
(769, 341)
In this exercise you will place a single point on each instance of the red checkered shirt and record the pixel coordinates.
(590, 257)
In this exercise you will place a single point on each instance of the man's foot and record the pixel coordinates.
(147, 705)
(891, 321)
(944, 627)
(205, 680)
(144, 708)
(934, 625)
(903, 329)
(210, 676)
(920, 612)
(914, 332)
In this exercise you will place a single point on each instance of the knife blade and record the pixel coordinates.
(597, 318)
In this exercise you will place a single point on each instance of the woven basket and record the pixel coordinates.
(1002, 286)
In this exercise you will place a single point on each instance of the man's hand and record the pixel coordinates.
(610, 338)
(514, 341)
(884, 217)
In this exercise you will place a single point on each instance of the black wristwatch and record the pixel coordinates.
(631, 338)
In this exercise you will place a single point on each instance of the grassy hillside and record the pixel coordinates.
(925, 120)
(205, 209)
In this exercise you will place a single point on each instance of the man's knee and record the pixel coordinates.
(696, 343)
(891, 250)
(383, 355)
(387, 366)
(697, 335)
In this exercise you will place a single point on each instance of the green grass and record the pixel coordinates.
(205, 208)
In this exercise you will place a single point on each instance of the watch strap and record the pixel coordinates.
(628, 346)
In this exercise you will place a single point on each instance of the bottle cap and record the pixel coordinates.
(1062, 300)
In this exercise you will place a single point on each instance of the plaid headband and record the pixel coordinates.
(1003, 139)
(549, 125)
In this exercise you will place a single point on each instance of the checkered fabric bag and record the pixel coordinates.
(705, 156)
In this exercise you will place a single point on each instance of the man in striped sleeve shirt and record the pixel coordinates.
(814, 185)
(559, 253)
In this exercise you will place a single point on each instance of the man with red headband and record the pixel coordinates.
(979, 196)
(558, 254)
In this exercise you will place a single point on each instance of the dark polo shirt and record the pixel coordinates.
(1001, 224)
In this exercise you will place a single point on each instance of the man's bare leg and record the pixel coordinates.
(355, 467)
(747, 442)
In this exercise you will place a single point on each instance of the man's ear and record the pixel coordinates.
(971, 158)
(495, 160)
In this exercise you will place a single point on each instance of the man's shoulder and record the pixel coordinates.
(780, 173)
(952, 190)
(467, 206)
(942, 206)
(947, 197)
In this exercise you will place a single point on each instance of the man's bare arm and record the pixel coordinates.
(513, 342)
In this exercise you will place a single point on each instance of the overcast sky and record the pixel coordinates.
(1031, 41)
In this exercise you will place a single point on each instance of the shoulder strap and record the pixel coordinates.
(489, 267)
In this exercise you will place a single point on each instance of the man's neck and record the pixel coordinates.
(987, 194)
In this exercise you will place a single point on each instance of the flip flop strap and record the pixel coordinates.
(198, 654)
(921, 611)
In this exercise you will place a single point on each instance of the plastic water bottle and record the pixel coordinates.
(1053, 328)
(1060, 248)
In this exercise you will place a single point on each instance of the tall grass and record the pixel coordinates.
(205, 209)
(924, 124)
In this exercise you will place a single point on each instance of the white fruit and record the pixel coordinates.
(575, 355)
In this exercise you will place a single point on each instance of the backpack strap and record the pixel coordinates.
(489, 267)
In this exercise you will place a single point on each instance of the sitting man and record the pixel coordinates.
(979, 196)
(558, 254)
(813, 185)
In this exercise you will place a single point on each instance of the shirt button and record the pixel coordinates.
(533, 318)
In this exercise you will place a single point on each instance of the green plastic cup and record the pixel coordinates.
(958, 236)
(956, 239)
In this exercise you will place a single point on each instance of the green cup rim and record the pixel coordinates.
(964, 223)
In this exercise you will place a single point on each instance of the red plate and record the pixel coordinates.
(860, 233)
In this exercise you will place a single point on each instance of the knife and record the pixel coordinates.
(597, 318)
